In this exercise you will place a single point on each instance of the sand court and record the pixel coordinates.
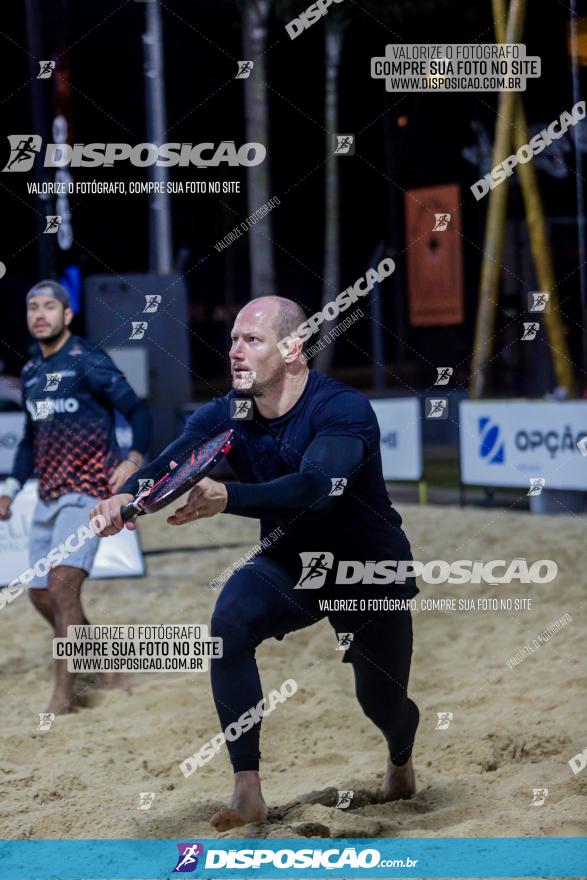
(490, 734)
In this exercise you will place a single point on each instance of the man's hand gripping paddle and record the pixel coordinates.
(179, 480)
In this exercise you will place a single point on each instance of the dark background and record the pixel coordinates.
(203, 40)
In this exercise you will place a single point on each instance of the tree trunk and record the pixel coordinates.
(495, 224)
(331, 277)
(257, 130)
(537, 229)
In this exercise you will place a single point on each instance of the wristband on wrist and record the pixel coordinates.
(10, 487)
(134, 461)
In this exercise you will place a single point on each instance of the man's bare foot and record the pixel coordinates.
(60, 704)
(399, 782)
(112, 680)
(246, 804)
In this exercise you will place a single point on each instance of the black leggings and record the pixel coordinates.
(258, 603)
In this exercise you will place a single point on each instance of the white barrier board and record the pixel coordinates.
(117, 556)
(401, 437)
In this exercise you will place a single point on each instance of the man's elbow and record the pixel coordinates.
(322, 501)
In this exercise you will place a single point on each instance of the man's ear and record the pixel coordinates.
(291, 348)
(297, 351)
(67, 316)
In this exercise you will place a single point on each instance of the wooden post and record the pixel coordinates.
(495, 225)
(537, 229)
(423, 492)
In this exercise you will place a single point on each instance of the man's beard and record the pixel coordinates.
(53, 337)
(258, 389)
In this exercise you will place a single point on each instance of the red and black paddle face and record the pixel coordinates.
(178, 481)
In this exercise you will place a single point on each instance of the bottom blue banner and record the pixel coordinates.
(292, 857)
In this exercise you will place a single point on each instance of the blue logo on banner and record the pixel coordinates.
(187, 859)
(490, 447)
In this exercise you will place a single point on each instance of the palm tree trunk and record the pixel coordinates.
(331, 277)
(495, 225)
(257, 130)
(537, 229)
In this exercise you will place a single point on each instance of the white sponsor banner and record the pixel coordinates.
(11, 431)
(117, 556)
(506, 443)
(401, 437)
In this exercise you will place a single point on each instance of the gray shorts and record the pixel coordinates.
(59, 536)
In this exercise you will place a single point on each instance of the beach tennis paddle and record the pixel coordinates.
(178, 481)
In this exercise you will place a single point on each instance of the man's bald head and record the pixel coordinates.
(283, 315)
(256, 336)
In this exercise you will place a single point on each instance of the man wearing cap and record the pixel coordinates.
(70, 389)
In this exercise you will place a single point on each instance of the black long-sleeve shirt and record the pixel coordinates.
(314, 471)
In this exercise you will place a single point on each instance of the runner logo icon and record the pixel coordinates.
(187, 860)
(314, 571)
(23, 149)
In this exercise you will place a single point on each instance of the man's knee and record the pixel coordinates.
(237, 635)
(64, 585)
